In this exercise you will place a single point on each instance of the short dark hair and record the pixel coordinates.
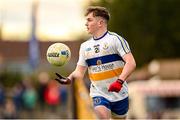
(98, 11)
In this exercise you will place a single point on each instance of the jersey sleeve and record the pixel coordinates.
(122, 46)
(82, 60)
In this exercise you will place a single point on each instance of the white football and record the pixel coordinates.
(58, 54)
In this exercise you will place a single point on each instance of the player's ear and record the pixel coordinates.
(101, 22)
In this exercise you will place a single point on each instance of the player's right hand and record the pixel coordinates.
(62, 80)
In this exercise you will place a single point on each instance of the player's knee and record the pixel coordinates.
(103, 112)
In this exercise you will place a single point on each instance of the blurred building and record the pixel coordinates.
(16, 53)
(155, 90)
(163, 69)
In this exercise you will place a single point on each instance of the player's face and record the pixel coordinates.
(92, 24)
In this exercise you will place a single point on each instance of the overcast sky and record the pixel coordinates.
(56, 19)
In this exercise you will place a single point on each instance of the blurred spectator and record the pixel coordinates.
(2, 99)
(9, 111)
(52, 95)
(63, 100)
(2, 95)
(63, 95)
(155, 107)
(29, 97)
(43, 79)
(17, 96)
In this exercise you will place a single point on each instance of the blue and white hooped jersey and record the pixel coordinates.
(103, 56)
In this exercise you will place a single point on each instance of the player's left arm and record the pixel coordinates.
(129, 66)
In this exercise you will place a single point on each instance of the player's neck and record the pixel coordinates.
(100, 33)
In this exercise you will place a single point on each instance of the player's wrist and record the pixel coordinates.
(120, 81)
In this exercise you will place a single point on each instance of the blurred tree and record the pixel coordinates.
(150, 26)
(9, 79)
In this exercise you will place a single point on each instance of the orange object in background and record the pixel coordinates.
(83, 104)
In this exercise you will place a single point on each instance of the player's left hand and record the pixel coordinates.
(116, 86)
(62, 80)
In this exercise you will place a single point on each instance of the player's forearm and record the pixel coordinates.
(75, 75)
(127, 70)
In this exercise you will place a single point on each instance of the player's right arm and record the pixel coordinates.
(78, 73)
(81, 67)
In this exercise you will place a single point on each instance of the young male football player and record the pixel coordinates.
(109, 61)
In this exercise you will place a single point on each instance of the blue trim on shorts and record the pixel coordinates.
(119, 107)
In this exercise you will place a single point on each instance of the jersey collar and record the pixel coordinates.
(101, 36)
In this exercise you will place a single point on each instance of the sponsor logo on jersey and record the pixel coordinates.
(88, 49)
(103, 67)
(88, 52)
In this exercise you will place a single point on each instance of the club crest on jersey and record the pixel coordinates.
(98, 62)
(105, 46)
